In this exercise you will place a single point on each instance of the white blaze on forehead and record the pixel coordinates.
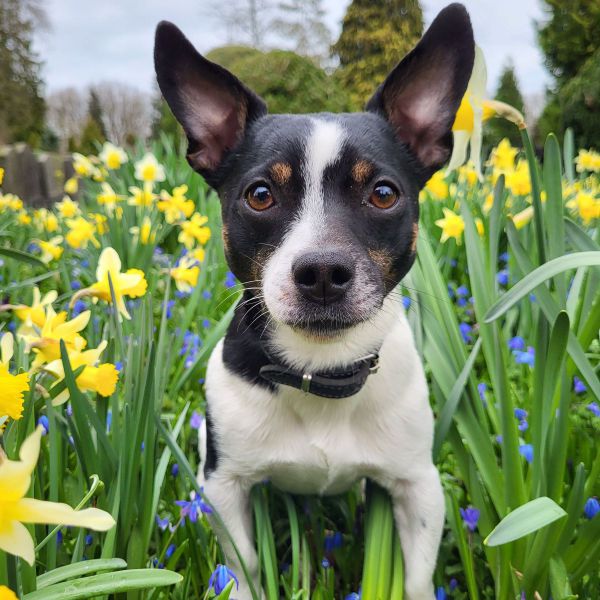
(323, 148)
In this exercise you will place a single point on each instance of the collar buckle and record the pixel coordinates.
(305, 385)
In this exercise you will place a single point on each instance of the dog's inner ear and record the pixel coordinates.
(211, 104)
(420, 97)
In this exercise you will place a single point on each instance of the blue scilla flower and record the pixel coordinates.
(465, 331)
(193, 508)
(206, 323)
(170, 305)
(333, 541)
(181, 294)
(156, 564)
(78, 308)
(196, 420)
(75, 284)
(516, 343)
(453, 584)
(578, 386)
(440, 593)
(406, 301)
(175, 470)
(525, 358)
(325, 563)
(520, 413)
(221, 577)
(352, 596)
(169, 551)
(85, 263)
(450, 291)
(89, 539)
(59, 537)
(591, 508)
(230, 280)
(523, 425)
(502, 277)
(503, 257)
(43, 421)
(594, 408)
(462, 291)
(162, 524)
(207, 294)
(119, 366)
(470, 516)
(482, 389)
(526, 451)
(462, 302)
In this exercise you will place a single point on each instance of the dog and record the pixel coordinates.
(317, 383)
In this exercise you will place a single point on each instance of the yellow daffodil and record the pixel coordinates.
(45, 220)
(84, 166)
(194, 231)
(473, 110)
(586, 206)
(186, 274)
(1, 175)
(503, 156)
(108, 197)
(113, 156)
(149, 170)
(141, 196)
(12, 387)
(16, 509)
(198, 254)
(176, 206)
(436, 186)
(36, 313)
(588, 160)
(132, 283)
(101, 222)
(522, 218)
(11, 201)
(480, 227)
(452, 226)
(7, 593)
(45, 340)
(518, 180)
(99, 378)
(71, 186)
(51, 250)
(80, 233)
(23, 218)
(67, 208)
(144, 234)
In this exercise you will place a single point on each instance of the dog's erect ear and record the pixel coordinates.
(212, 105)
(420, 97)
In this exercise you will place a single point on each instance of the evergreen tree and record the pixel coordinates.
(508, 91)
(21, 103)
(93, 133)
(95, 112)
(376, 34)
(163, 121)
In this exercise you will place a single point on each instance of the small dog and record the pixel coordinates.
(317, 383)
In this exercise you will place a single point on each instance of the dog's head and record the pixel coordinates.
(320, 212)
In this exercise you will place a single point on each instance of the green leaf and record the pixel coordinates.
(78, 569)
(22, 257)
(525, 520)
(107, 583)
(537, 277)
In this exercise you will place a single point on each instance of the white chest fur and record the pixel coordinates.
(309, 444)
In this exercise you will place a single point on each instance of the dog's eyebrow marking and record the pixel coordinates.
(361, 171)
(281, 173)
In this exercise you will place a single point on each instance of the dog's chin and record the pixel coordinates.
(324, 329)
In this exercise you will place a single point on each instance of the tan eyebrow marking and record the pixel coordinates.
(361, 171)
(281, 173)
(413, 246)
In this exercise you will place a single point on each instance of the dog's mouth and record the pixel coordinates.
(325, 327)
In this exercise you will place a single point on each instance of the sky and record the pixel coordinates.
(112, 40)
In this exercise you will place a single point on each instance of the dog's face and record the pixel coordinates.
(320, 211)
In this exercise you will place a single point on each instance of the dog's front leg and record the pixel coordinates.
(230, 497)
(419, 514)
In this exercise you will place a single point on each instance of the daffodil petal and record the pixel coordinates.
(30, 510)
(459, 149)
(109, 262)
(15, 539)
(6, 348)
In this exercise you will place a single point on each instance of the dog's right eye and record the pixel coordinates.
(259, 197)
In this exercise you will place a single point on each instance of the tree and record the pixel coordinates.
(376, 34)
(301, 23)
(247, 21)
(288, 83)
(95, 112)
(67, 115)
(508, 91)
(21, 103)
(570, 36)
(163, 121)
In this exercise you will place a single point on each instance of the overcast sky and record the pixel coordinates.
(112, 39)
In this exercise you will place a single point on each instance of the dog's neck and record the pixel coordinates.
(253, 341)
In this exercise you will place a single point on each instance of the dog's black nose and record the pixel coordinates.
(323, 277)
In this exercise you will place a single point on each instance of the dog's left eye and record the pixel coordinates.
(383, 196)
(259, 197)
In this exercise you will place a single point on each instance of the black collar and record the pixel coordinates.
(335, 383)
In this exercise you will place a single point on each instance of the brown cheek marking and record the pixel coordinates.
(361, 171)
(413, 246)
(281, 173)
(258, 265)
(383, 260)
(225, 236)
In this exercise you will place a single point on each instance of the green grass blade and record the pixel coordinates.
(85, 567)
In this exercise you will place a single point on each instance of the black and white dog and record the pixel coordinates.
(317, 382)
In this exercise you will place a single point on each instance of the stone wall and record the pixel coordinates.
(38, 179)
